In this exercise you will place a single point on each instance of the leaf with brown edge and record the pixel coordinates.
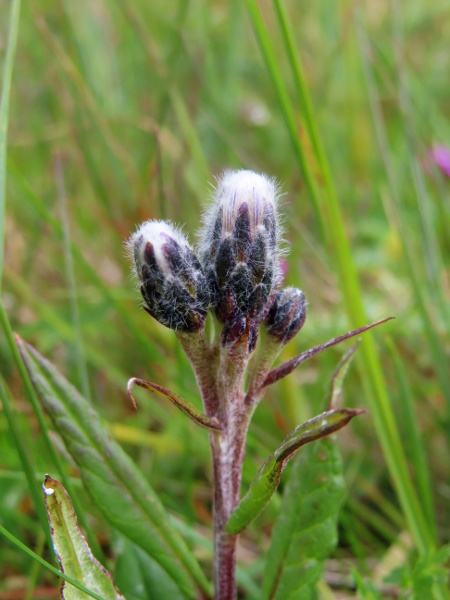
(74, 555)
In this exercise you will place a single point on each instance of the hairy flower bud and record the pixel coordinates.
(286, 315)
(239, 247)
(173, 285)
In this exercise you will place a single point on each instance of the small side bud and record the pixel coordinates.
(286, 315)
(173, 285)
(240, 246)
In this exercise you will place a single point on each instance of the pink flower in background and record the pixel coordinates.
(439, 156)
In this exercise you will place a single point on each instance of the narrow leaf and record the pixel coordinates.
(117, 487)
(306, 529)
(74, 555)
(287, 367)
(339, 376)
(140, 577)
(267, 479)
(4, 113)
(184, 405)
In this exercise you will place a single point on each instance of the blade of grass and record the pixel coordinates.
(418, 457)
(264, 42)
(327, 206)
(45, 564)
(24, 453)
(438, 352)
(4, 113)
(71, 71)
(430, 246)
(138, 334)
(190, 135)
(31, 395)
(70, 275)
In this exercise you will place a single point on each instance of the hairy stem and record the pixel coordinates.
(220, 377)
(227, 451)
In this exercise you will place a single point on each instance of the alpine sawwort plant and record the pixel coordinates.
(226, 304)
(235, 277)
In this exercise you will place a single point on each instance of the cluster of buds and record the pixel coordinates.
(237, 271)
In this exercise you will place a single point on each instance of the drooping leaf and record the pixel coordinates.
(185, 406)
(74, 555)
(116, 485)
(267, 479)
(305, 531)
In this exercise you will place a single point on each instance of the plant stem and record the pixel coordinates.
(227, 456)
(220, 378)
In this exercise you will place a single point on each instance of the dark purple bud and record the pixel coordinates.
(174, 286)
(241, 239)
(286, 315)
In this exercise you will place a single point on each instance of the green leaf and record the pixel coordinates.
(427, 578)
(140, 577)
(267, 479)
(115, 484)
(306, 529)
(74, 555)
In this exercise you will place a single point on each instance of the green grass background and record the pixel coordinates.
(124, 111)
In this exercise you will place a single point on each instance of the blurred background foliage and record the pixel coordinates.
(125, 111)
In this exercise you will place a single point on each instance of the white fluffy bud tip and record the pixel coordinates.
(147, 243)
(256, 191)
(240, 245)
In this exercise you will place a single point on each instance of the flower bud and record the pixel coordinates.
(239, 246)
(286, 315)
(172, 281)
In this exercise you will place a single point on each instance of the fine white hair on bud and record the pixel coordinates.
(173, 285)
(240, 247)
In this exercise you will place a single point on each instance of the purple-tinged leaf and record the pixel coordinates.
(184, 405)
(289, 366)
